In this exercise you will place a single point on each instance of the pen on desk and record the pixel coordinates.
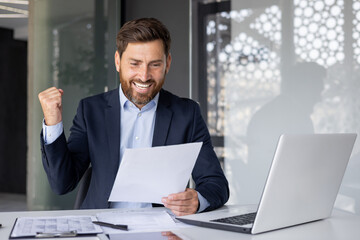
(116, 226)
(55, 234)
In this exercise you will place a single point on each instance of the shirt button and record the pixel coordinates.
(137, 138)
(139, 114)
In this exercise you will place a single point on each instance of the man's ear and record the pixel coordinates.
(117, 61)
(168, 63)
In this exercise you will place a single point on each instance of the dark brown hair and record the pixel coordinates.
(143, 30)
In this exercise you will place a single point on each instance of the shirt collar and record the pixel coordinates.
(125, 102)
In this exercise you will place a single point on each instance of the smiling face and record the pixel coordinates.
(142, 68)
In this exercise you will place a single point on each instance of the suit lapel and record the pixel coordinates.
(112, 122)
(163, 120)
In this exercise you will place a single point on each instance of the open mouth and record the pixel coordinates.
(142, 85)
(143, 88)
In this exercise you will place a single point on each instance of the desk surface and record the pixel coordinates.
(341, 225)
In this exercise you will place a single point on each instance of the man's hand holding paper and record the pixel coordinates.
(183, 203)
(158, 175)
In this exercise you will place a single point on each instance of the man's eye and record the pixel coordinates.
(134, 64)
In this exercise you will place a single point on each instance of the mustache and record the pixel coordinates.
(140, 81)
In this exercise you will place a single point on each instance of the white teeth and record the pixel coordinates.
(142, 85)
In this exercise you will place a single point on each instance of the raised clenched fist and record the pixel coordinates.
(50, 101)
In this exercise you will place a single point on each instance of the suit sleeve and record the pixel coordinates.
(209, 178)
(65, 162)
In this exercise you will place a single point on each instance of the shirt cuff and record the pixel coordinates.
(203, 203)
(51, 133)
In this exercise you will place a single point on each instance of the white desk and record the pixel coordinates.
(341, 225)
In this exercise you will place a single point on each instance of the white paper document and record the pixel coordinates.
(31, 226)
(148, 174)
(143, 220)
(137, 220)
(148, 236)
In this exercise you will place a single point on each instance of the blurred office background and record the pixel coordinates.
(258, 69)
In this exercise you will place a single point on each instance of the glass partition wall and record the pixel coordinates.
(266, 67)
(71, 46)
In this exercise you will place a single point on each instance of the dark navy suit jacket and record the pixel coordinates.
(95, 140)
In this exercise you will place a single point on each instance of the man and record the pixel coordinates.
(137, 114)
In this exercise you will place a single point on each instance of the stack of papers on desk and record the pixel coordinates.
(137, 220)
(140, 220)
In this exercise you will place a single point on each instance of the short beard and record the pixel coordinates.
(142, 102)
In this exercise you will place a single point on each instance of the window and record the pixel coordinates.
(272, 67)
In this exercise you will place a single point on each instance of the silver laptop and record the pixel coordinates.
(301, 186)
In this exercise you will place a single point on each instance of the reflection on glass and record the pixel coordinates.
(260, 85)
(146, 235)
(288, 112)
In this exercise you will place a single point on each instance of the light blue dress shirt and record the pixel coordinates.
(137, 129)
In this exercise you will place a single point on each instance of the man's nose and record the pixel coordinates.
(144, 73)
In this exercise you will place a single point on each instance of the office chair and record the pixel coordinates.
(83, 188)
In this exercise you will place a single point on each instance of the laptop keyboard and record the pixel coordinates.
(238, 219)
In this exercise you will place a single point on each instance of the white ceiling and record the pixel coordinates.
(13, 15)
